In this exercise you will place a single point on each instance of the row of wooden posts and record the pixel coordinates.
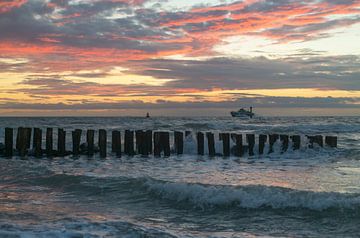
(147, 142)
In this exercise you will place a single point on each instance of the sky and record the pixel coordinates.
(178, 57)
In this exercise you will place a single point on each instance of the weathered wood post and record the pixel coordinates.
(200, 143)
(148, 136)
(285, 142)
(76, 139)
(262, 141)
(272, 140)
(141, 145)
(37, 141)
(49, 142)
(9, 141)
(296, 142)
(102, 143)
(129, 143)
(331, 141)
(179, 142)
(28, 137)
(225, 138)
(116, 143)
(157, 144)
(61, 142)
(211, 143)
(90, 142)
(250, 138)
(18, 138)
(165, 141)
(238, 149)
(318, 139)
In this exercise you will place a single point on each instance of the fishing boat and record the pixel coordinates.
(242, 112)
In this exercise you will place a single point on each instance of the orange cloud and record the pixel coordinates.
(6, 5)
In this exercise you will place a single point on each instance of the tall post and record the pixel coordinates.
(238, 148)
(179, 142)
(296, 142)
(250, 138)
(285, 142)
(272, 140)
(200, 143)
(157, 144)
(37, 141)
(102, 143)
(129, 143)
(22, 141)
(76, 138)
(148, 135)
(262, 141)
(225, 138)
(61, 142)
(9, 141)
(90, 142)
(116, 143)
(211, 143)
(49, 141)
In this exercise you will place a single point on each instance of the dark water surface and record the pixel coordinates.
(307, 193)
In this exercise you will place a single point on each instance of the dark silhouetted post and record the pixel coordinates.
(296, 142)
(211, 143)
(318, 139)
(22, 140)
(225, 138)
(90, 134)
(179, 142)
(76, 139)
(250, 138)
(331, 141)
(165, 141)
(272, 140)
(61, 142)
(116, 143)
(157, 144)
(37, 142)
(19, 138)
(129, 143)
(200, 143)
(148, 135)
(262, 141)
(238, 149)
(49, 141)
(9, 141)
(102, 143)
(285, 142)
(28, 137)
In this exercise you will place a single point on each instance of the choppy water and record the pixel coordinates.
(308, 193)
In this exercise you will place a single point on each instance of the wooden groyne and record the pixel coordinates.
(147, 142)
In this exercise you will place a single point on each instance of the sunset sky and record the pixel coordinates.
(179, 57)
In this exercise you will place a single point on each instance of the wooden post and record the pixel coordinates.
(148, 136)
(331, 141)
(18, 138)
(129, 143)
(102, 143)
(272, 139)
(21, 141)
(49, 141)
(116, 143)
(76, 139)
(37, 140)
(179, 142)
(225, 138)
(9, 141)
(238, 148)
(296, 141)
(90, 142)
(262, 141)
(285, 142)
(61, 142)
(139, 142)
(318, 139)
(165, 141)
(28, 137)
(161, 143)
(211, 143)
(250, 138)
(200, 143)
(157, 144)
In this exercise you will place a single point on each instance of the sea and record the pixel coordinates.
(311, 192)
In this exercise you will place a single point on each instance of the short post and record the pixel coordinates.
(211, 143)
(296, 141)
(37, 142)
(116, 143)
(285, 142)
(9, 141)
(102, 143)
(250, 138)
(49, 141)
(318, 139)
(179, 142)
(225, 138)
(331, 141)
(61, 142)
(272, 139)
(129, 143)
(238, 148)
(262, 141)
(200, 143)
(90, 142)
(76, 139)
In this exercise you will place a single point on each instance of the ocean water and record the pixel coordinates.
(307, 193)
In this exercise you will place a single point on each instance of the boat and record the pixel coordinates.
(242, 112)
(147, 115)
